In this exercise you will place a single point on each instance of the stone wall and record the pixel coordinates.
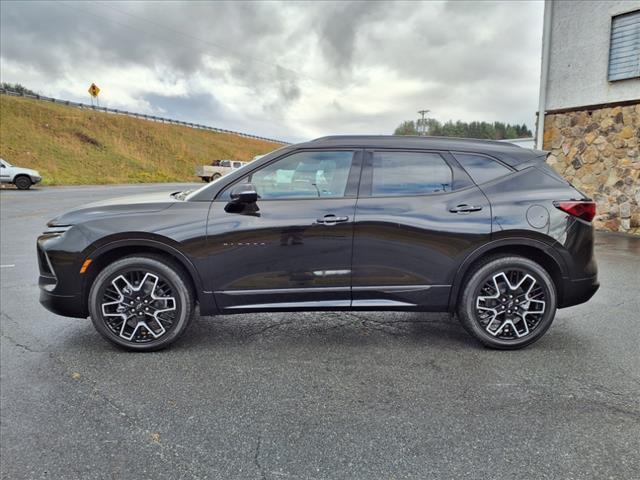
(598, 152)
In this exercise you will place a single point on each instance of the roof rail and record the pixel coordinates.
(422, 137)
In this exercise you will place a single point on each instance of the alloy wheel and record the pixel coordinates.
(510, 304)
(139, 306)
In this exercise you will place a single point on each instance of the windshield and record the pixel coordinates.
(5, 163)
(192, 193)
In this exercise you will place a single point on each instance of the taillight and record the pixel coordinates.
(585, 209)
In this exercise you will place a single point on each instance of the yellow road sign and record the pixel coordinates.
(94, 90)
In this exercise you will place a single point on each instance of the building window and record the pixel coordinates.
(624, 49)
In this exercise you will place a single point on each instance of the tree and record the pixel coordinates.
(17, 88)
(406, 128)
(495, 130)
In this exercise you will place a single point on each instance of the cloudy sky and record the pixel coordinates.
(293, 70)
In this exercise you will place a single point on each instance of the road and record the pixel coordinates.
(313, 396)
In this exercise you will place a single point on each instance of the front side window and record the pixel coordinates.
(409, 173)
(302, 175)
(480, 168)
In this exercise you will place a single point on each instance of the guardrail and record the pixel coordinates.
(143, 116)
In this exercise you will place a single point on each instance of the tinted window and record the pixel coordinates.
(409, 173)
(302, 175)
(482, 169)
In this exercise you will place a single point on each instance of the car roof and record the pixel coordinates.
(507, 152)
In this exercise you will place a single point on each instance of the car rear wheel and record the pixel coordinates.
(216, 176)
(508, 302)
(141, 302)
(23, 182)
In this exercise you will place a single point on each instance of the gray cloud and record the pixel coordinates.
(290, 70)
(196, 108)
(339, 26)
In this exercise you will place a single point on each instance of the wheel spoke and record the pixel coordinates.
(510, 304)
(139, 298)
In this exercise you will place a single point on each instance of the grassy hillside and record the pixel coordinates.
(72, 146)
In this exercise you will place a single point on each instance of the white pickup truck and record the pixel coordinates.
(22, 178)
(217, 169)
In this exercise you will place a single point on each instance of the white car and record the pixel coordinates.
(22, 178)
(217, 169)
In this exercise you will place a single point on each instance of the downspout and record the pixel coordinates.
(544, 74)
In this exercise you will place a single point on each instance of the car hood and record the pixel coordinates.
(27, 171)
(148, 202)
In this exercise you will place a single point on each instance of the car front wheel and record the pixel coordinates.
(508, 302)
(141, 302)
(23, 182)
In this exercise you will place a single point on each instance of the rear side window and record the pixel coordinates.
(481, 169)
(409, 173)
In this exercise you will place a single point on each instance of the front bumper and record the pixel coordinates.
(575, 292)
(59, 280)
(36, 179)
(65, 305)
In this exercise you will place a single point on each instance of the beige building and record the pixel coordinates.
(590, 96)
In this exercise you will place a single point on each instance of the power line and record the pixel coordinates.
(424, 126)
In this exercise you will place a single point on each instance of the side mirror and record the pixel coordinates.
(244, 193)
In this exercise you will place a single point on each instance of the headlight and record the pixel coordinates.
(59, 229)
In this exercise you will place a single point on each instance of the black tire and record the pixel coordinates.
(206, 179)
(147, 331)
(215, 176)
(516, 317)
(22, 182)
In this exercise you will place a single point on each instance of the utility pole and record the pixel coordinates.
(424, 126)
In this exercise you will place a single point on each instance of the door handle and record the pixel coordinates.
(331, 220)
(464, 208)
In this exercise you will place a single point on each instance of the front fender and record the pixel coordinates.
(142, 240)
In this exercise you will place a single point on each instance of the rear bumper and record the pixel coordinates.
(65, 305)
(575, 292)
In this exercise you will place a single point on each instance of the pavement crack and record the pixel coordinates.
(26, 348)
(385, 327)
(269, 327)
(14, 342)
(256, 457)
(165, 452)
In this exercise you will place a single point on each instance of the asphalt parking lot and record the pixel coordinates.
(313, 396)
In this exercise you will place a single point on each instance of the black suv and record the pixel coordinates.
(482, 228)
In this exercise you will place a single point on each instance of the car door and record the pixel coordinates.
(291, 249)
(418, 216)
(5, 172)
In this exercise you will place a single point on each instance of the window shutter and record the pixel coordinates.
(624, 49)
